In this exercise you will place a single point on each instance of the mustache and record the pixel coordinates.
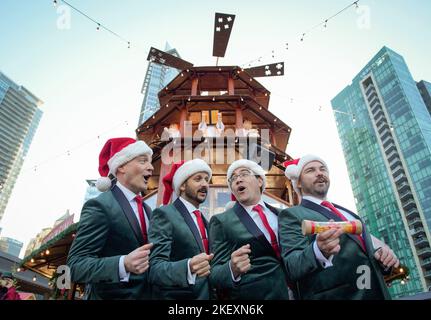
(203, 190)
(321, 179)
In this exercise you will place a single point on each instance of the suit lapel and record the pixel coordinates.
(251, 226)
(315, 207)
(190, 223)
(128, 212)
(273, 209)
(147, 210)
(330, 215)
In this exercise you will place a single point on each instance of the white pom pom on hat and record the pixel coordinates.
(103, 184)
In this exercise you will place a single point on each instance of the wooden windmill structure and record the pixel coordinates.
(205, 97)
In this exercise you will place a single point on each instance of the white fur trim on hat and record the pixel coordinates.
(244, 163)
(188, 169)
(293, 171)
(128, 153)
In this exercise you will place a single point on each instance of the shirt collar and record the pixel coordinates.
(189, 206)
(250, 208)
(130, 195)
(314, 199)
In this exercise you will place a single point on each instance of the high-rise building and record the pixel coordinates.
(385, 130)
(425, 91)
(19, 118)
(156, 78)
(10, 246)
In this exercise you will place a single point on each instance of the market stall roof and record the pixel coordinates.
(46, 259)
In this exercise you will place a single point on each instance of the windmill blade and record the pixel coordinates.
(166, 59)
(223, 24)
(267, 70)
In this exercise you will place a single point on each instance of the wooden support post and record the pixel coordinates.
(230, 86)
(183, 118)
(195, 82)
(238, 117)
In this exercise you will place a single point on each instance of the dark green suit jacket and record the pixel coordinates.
(266, 278)
(108, 229)
(176, 239)
(341, 280)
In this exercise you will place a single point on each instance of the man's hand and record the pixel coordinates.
(200, 264)
(329, 241)
(240, 261)
(386, 257)
(138, 260)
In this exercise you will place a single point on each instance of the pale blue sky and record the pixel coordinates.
(90, 82)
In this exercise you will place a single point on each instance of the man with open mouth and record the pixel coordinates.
(180, 259)
(244, 241)
(331, 265)
(110, 253)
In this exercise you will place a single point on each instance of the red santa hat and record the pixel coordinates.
(179, 173)
(115, 153)
(294, 168)
(244, 163)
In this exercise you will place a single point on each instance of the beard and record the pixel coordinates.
(193, 194)
(314, 190)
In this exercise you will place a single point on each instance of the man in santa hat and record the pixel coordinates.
(180, 259)
(110, 253)
(331, 265)
(247, 263)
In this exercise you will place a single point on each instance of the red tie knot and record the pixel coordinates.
(257, 207)
(138, 198)
(197, 213)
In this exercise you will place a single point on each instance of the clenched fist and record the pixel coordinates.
(138, 260)
(386, 257)
(200, 264)
(240, 261)
(329, 241)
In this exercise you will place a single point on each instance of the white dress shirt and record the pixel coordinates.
(130, 196)
(272, 220)
(325, 263)
(191, 277)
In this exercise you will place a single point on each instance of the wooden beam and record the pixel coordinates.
(195, 82)
(231, 86)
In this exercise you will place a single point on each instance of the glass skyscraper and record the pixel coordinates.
(19, 118)
(425, 91)
(385, 130)
(156, 78)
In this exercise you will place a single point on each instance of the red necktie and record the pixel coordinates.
(202, 230)
(274, 243)
(138, 200)
(331, 207)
